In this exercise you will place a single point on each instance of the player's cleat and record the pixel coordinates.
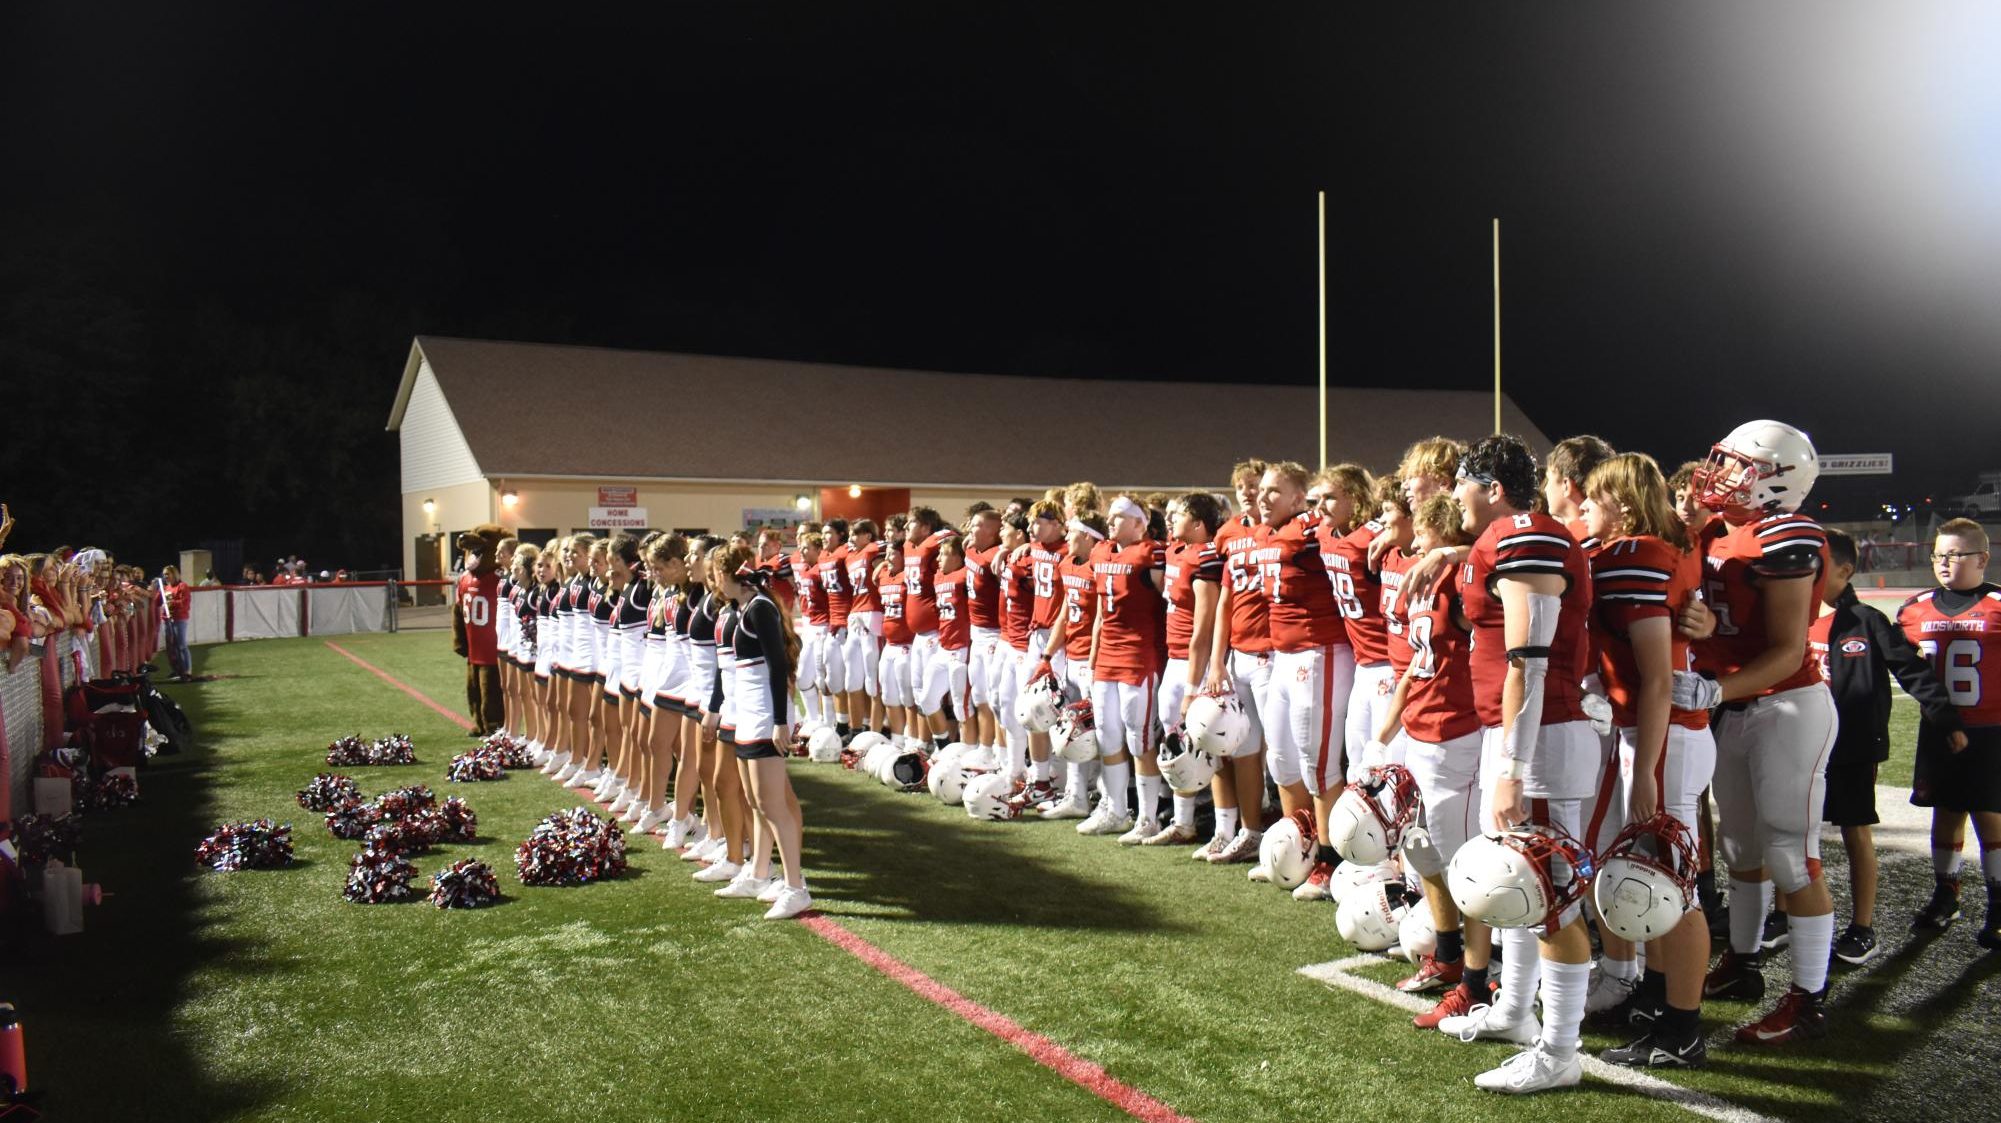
(1105, 821)
(1534, 1069)
(1432, 975)
(744, 886)
(1034, 795)
(1655, 1051)
(1142, 830)
(1484, 1023)
(1737, 978)
(1243, 848)
(1068, 809)
(1607, 991)
(1856, 946)
(1208, 851)
(1640, 1011)
(1314, 888)
(1989, 936)
(1800, 1015)
(1939, 912)
(789, 904)
(1173, 834)
(1776, 934)
(1456, 1004)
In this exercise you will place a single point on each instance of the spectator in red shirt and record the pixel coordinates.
(177, 599)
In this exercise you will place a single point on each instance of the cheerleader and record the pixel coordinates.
(725, 806)
(604, 674)
(663, 664)
(548, 700)
(519, 653)
(695, 630)
(573, 660)
(627, 647)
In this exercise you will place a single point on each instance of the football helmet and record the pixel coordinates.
(1523, 878)
(1646, 879)
(824, 745)
(864, 741)
(1184, 769)
(1349, 876)
(873, 756)
(1367, 822)
(1288, 848)
(1371, 915)
(1417, 936)
(906, 770)
(1217, 724)
(1762, 468)
(1076, 734)
(1039, 705)
(986, 797)
(806, 729)
(945, 760)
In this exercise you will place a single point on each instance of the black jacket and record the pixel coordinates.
(1863, 649)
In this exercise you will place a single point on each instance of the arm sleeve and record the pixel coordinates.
(777, 661)
(1913, 673)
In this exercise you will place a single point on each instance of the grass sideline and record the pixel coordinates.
(262, 995)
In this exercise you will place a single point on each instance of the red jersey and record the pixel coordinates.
(1250, 612)
(1303, 613)
(920, 569)
(812, 600)
(1956, 645)
(783, 581)
(982, 587)
(1439, 705)
(476, 593)
(861, 579)
(890, 590)
(1737, 563)
(1395, 607)
(1519, 546)
(1042, 566)
(1185, 565)
(1638, 579)
(1017, 587)
(1357, 589)
(833, 574)
(1131, 611)
(1080, 608)
(949, 594)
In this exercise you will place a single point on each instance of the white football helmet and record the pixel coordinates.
(1762, 468)
(1417, 936)
(824, 746)
(1184, 769)
(1646, 879)
(1349, 876)
(873, 756)
(1076, 734)
(945, 760)
(806, 729)
(866, 740)
(1371, 915)
(906, 770)
(1524, 878)
(948, 784)
(1217, 725)
(1367, 822)
(1288, 848)
(1039, 705)
(986, 797)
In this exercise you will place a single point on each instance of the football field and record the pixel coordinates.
(955, 970)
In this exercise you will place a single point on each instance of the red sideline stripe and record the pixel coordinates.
(458, 719)
(1040, 1049)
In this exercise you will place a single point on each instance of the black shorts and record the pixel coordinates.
(757, 750)
(1851, 795)
(1962, 781)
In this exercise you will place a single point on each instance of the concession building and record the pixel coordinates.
(548, 440)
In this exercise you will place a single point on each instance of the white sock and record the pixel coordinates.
(1750, 902)
(1117, 778)
(810, 697)
(1624, 969)
(1184, 810)
(1151, 788)
(1812, 944)
(1226, 822)
(1041, 771)
(1945, 863)
(1521, 961)
(1563, 989)
(1990, 864)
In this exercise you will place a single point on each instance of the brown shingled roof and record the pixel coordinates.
(531, 409)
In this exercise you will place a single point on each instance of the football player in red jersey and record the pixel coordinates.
(1642, 574)
(1957, 626)
(1038, 561)
(945, 676)
(863, 650)
(1193, 577)
(898, 689)
(1764, 567)
(813, 641)
(833, 567)
(1017, 596)
(1126, 577)
(1694, 516)
(771, 558)
(1570, 463)
(1313, 668)
(1240, 662)
(1071, 637)
(1526, 591)
(1345, 496)
(920, 606)
(983, 589)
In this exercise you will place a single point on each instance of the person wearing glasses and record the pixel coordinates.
(1957, 627)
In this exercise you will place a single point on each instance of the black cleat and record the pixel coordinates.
(1989, 935)
(1939, 912)
(1736, 978)
(1654, 1051)
(1856, 946)
(1777, 934)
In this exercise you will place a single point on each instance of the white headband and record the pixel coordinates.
(1081, 525)
(1125, 506)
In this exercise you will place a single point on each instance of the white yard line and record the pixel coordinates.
(1339, 974)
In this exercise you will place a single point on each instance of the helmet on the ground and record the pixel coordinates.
(986, 797)
(1287, 849)
(824, 745)
(1368, 821)
(1370, 915)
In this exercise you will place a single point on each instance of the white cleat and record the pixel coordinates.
(744, 887)
(1068, 809)
(720, 871)
(1141, 831)
(1105, 821)
(790, 903)
(1483, 1023)
(1534, 1069)
(1606, 992)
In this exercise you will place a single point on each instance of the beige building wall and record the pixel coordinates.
(459, 507)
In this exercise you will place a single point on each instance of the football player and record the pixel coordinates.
(1192, 577)
(920, 607)
(833, 567)
(864, 647)
(945, 676)
(1764, 566)
(811, 601)
(1956, 626)
(893, 677)
(1240, 663)
(1346, 497)
(1126, 577)
(1075, 627)
(1570, 463)
(1038, 561)
(1017, 593)
(983, 608)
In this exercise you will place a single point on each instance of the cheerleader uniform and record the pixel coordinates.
(722, 696)
(701, 672)
(628, 629)
(763, 687)
(604, 657)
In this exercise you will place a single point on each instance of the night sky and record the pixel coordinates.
(229, 220)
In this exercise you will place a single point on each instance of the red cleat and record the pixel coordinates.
(1432, 975)
(1456, 1002)
(1799, 1016)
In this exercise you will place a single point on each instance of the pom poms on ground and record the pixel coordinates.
(511, 751)
(377, 876)
(327, 791)
(256, 845)
(574, 846)
(37, 838)
(476, 767)
(353, 752)
(465, 884)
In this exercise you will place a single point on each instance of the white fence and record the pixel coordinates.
(224, 614)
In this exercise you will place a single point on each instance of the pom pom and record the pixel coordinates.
(113, 789)
(571, 847)
(465, 884)
(259, 845)
(377, 875)
(404, 801)
(37, 838)
(352, 752)
(478, 766)
(327, 791)
(511, 751)
(399, 836)
(352, 819)
(347, 752)
(460, 824)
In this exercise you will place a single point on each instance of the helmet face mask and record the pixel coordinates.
(1076, 735)
(1185, 770)
(1762, 468)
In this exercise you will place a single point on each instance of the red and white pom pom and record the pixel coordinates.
(327, 791)
(571, 847)
(465, 884)
(376, 876)
(256, 845)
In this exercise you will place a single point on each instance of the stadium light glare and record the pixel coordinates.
(430, 506)
(854, 491)
(803, 502)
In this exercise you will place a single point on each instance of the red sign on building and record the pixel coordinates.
(618, 497)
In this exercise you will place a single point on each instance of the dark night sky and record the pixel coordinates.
(1710, 213)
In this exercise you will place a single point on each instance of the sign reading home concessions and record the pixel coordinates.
(618, 497)
(618, 518)
(1856, 464)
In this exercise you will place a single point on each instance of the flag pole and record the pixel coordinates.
(1497, 327)
(1323, 329)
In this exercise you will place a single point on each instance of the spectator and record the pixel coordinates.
(177, 601)
(15, 627)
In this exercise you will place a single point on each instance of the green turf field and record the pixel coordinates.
(263, 996)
